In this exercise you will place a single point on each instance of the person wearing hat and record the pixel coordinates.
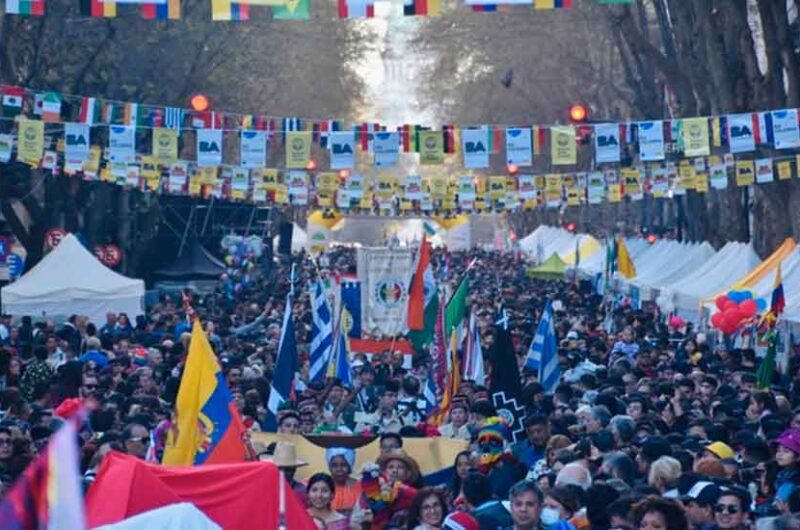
(457, 427)
(284, 456)
(699, 502)
(494, 460)
(341, 461)
(398, 466)
(787, 456)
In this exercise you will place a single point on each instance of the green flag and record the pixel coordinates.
(292, 10)
(421, 337)
(767, 367)
(456, 308)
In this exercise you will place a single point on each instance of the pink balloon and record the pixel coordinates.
(749, 308)
(720, 301)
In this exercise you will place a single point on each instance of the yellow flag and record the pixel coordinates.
(745, 173)
(327, 183)
(784, 169)
(497, 187)
(694, 132)
(262, 2)
(563, 147)
(298, 149)
(686, 175)
(30, 141)
(437, 185)
(625, 264)
(431, 148)
(614, 193)
(165, 145)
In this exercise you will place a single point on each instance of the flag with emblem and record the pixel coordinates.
(13, 96)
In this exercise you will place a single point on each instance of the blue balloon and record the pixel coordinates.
(748, 295)
(761, 304)
(735, 296)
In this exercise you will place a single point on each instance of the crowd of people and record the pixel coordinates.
(651, 428)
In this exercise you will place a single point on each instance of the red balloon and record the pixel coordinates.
(729, 304)
(720, 301)
(749, 308)
(734, 316)
(718, 320)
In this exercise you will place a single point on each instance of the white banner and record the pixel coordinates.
(384, 275)
(606, 142)
(475, 146)
(659, 183)
(386, 148)
(740, 133)
(785, 130)
(412, 187)
(651, 140)
(527, 187)
(76, 142)
(121, 144)
(209, 147)
(253, 149)
(518, 146)
(298, 187)
(718, 176)
(6, 145)
(764, 171)
(343, 150)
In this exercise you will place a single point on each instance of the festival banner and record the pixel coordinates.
(355, 187)
(614, 192)
(631, 179)
(412, 187)
(253, 149)
(165, 145)
(553, 190)
(527, 187)
(475, 147)
(327, 183)
(497, 187)
(76, 142)
(563, 147)
(431, 148)
(764, 171)
(785, 131)
(6, 146)
(466, 189)
(384, 275)
(596, 187)
(240, 183)
(343, 147)
(694, 134)
(740, 133)
(659, 183)
(386, 148)
(297, 183)
(745, 173)
(30, 141)
(209, 147)
(718, 175)
(651, 140)
(519, 150)
(784, 169)
(606, 143)
(298, 149)
(121, 144)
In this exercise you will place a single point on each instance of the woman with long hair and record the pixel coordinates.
(320, 490)
(461, 468)
(427, 511)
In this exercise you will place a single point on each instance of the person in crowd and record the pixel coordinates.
(321, 490)
(284, 456)
(484, 507)
(457, 426)
(532, 449)
(656, 513)
(341, 461)
(700, 502)
(664, 474)
(495, 460)
(428, 509)
(461, 468)
(787, 456)
(560, 504)
(526, 506)
(732, 509)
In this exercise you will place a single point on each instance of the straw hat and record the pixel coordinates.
(285, 455)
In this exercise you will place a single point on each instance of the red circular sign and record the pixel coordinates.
(109, 255)
(53, 237)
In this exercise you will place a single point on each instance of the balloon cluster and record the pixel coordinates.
(736, 309)
(240, 257)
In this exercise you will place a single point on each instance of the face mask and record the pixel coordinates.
(549, 516)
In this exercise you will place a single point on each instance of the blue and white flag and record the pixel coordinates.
(173, 118)
(339, 366)
(285, 369)
(351, 301)
(321, 332)
(543, 353)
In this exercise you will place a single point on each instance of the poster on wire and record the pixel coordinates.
(209, 147)
(651, 141)
(343, 149)
(785, 129)
(386, 149)
(519, 149)
(384, 276)
(606, 142)
(740, 133)
(253, 149)
(121, 144)
(475, 147)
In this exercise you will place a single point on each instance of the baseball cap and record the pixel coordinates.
(703, 492)
(720, 449)
(460, 521)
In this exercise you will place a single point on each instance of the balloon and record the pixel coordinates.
(747, 295)
(229, 260)
(761, 304)
(734, 316)
(748, 308)
(730, 304)
(718, 320)
(720, 301)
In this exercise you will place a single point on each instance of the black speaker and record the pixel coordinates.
(285, 238)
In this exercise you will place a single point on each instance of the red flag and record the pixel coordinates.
(416, 293)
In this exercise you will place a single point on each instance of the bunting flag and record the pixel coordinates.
(321, 333)
(625, 264)
(292, 10)
(166, 10)
(552, 4)
(90, 110)
(228, 10)
(98, 8)
(33, 8)
(778, 301)
(282, 388)
(351, 9)
(13, 98)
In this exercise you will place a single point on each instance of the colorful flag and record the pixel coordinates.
(51, 107)
(778, 301)
(339, 367)
(321, 333)
(165, 10)
(543, 352)
(25, 7)
(98, 8)
(552, 4)
(292, 10)
(422, 287)
(90, 111)
(430, 8)
(473, 354)
(356, 8)
(48, 494)
(228, 10)
(173, 118)
(282, 388)
(351, 303)
(625, 264)
(13, 97)
(206, 427)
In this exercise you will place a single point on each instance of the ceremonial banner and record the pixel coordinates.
(121, 144)
(384, 275)
(343, 148)
(431, 148)
(209, 147)
(694, 133)
(785, 130)
(764, 171)
(165, 145)
(298, 149)
(606, 142)
(76, 142)
(745, 173)
(386, 148)
(253, 149)
(651, 140)
(563, 147)
(740, 133)
(475, 146)
(519, 150)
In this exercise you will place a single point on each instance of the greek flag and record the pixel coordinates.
(543, 353)
(321, 332)
(173, 118)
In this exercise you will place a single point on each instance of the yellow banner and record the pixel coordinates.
(686, 175)
(563, 147)
(207, 175)
(431, 148)
(437, 186)
(327, 183)
(701, 182)
(573, 197)
(745, 173)
(298, 149)
(281, 194)
(366, 201)
(92, 165)
(784, 168)
(631, 180)
(694, 132)
(165, 145)
(269, 179)
(614, 192)
(151, 173)
(497, 187)
(30, 141)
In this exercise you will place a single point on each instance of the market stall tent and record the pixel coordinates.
(71, 280)
(552, 269)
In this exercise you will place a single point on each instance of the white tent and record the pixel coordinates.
(180, 516)
(299, 240)
(70, 280)
(679, 261)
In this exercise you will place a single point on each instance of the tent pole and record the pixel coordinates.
(208, 214)
(186, 231)
(250, 222)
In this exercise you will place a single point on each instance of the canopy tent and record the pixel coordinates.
(587, 245)
(300, 240)
(552, 269)
(71, 280)
(180, 516)
(679, 261)
(235, 496)
(194, 263)
(684, 294)
(595, 263)
(546, 240)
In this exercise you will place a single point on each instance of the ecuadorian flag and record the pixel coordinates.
(206, 427)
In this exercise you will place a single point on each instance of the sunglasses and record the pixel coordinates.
(727, 508)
